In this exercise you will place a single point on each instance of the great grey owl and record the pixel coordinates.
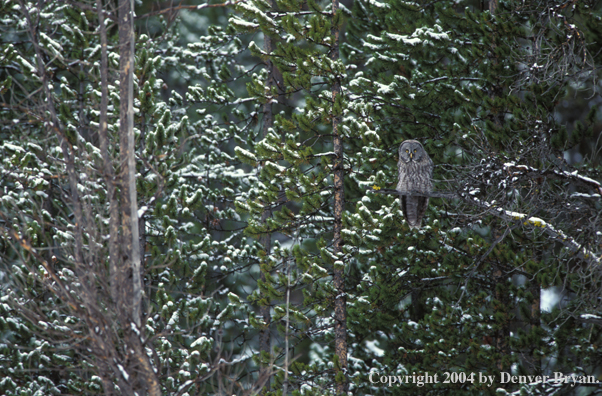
(415, 174)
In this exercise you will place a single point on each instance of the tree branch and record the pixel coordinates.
(187, 7)
(532, 222)
(553, 174)
(55, 125)
(88, 7)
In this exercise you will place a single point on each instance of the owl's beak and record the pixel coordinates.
(410, 155)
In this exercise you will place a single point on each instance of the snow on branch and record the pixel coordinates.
(533, 222)
(590, 318)
(573, 176)
(170, 10)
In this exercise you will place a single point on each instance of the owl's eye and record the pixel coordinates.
(414, 150)
(407, 151)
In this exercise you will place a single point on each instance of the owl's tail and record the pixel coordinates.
(413, 209)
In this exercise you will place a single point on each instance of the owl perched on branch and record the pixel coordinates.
(415, 169)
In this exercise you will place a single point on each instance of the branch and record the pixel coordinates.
(432, 194)
(88, 7)
(589, 318)
(553, 174)
(187, 7)
(533, 222)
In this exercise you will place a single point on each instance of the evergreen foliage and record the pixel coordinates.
(187, 181)
(463, 293)
(297, 185)
(502, 98)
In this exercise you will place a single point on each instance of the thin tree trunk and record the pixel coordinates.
(131, 288)
(142, 217)
(129, 205)
(535, 319)
(501, 293)
(264, 311)
(266, 239)
(340, 302)
(108, 386)
(536, 322)
(109, 173)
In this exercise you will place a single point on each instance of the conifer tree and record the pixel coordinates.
(60, 326)
(302, 154)
(436, 67)
(303, 157)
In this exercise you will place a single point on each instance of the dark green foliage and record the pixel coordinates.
(193, 246)
(504, 105)
(452, 78)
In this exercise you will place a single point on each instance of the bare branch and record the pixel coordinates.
(532, 222)
(187, 7)
(553, 174)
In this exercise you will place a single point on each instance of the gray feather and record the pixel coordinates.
(415, 169)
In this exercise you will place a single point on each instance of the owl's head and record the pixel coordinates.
(411, 150)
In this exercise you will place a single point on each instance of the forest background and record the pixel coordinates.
(191, 196)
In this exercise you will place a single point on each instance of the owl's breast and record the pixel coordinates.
(414, 176)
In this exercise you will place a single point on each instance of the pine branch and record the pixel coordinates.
(84, 6)
(55, 125)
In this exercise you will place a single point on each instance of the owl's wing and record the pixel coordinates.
(423, 202)
(414, 208)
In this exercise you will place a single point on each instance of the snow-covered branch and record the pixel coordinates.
(525, 170)
(533, 222)
(187, 7)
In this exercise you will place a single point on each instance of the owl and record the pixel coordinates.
(415, 169)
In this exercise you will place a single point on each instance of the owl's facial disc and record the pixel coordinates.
(411, 150)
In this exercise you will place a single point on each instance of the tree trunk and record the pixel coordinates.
(501, 336)
(129, 273)
(131, 290)
(266, 240)
(535, 319)
(500, 292)
(109, 173)
(340, 302)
